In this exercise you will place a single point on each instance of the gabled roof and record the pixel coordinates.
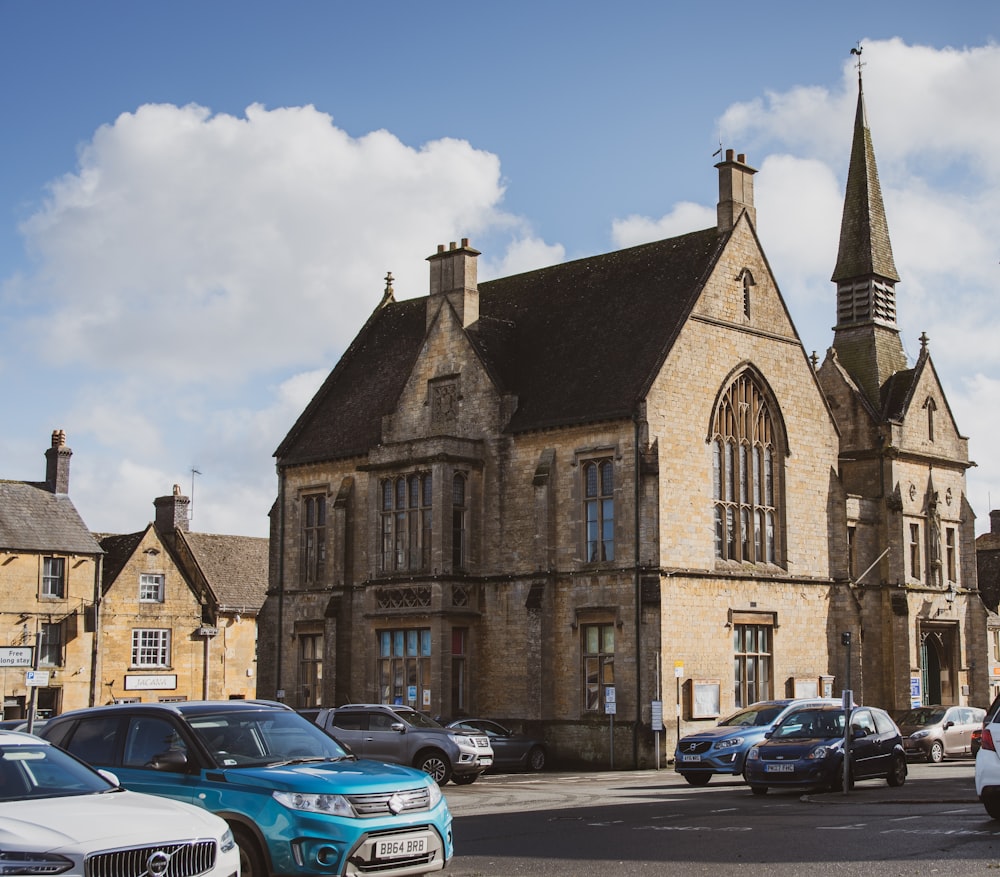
(235, 568)
(33, 518)
(577, 342)
(118, 549)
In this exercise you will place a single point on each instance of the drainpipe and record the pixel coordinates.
(638, 602)
(95, 640)
(281, 584)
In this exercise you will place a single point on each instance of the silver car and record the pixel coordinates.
(937, 732)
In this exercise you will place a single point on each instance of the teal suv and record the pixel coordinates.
(297, 802)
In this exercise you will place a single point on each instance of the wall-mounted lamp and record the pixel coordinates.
(950, 594)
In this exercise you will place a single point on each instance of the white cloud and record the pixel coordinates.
(685, 217)
(205, 247)
(523, 254)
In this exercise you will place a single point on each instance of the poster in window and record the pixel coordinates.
(705, 698)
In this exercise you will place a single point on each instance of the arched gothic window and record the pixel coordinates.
(746, 483)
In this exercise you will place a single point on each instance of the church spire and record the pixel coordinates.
(866, 337)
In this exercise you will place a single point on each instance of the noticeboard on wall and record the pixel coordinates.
(705, 698)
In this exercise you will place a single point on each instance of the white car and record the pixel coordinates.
(59, 816)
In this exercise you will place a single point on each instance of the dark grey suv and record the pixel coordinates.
(402, 735)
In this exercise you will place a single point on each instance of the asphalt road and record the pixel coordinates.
(652, 822)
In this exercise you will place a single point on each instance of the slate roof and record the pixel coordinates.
(235, 568)
(32, 518)
(577, 342)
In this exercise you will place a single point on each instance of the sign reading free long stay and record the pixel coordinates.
(15, 656)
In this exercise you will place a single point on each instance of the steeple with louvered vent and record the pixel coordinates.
(866, 336)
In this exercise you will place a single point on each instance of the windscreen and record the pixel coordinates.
(259, 737)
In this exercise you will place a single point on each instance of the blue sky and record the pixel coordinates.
(199, 200)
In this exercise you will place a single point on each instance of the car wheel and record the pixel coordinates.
(935, 755)
(992, 804)
(251, 858)
(436, 764)
(897, 773)
(759, 790)
(465, 780)
(536, 758)
(697, 779)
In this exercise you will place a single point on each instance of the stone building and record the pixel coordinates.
(179, 611)
(49, 586)
(988, 569)
(577, 498)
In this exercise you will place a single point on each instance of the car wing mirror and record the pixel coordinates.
(172, 759)
(398, 726)
(768, 733)
(948, 725)
(109, 776)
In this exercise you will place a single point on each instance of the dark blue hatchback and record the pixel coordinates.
(807, 750)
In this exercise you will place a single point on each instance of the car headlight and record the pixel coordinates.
(729, 743)
(463, 740)
(227, 841)
(821, 752)
(753, 754)
(435, 796)
(20, 862)
(917, 735)
(330, 805)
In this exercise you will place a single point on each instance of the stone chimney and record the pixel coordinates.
(171, 512)
(454, 276)
(57, 463)
(735, 191)
(995, 521)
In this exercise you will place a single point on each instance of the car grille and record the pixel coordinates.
(167, 860)
(390, 802)
(480, 742)
(695, 747)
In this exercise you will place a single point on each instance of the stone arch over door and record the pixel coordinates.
(938, 671)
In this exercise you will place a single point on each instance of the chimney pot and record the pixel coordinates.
(440, 248)
(57, 463)
(741, 158)
(995, 521)
(729, 154)
(451, 246)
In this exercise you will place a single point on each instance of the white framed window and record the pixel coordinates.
(50, 645)
(151, 588)
(54, 577)
(150, 647)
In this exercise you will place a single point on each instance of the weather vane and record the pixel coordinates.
(857, 51)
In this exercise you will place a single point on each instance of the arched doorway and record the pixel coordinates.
(937, 677)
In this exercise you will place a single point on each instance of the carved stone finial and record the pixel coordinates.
(924, 339)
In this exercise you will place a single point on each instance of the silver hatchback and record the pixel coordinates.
(938, 732)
